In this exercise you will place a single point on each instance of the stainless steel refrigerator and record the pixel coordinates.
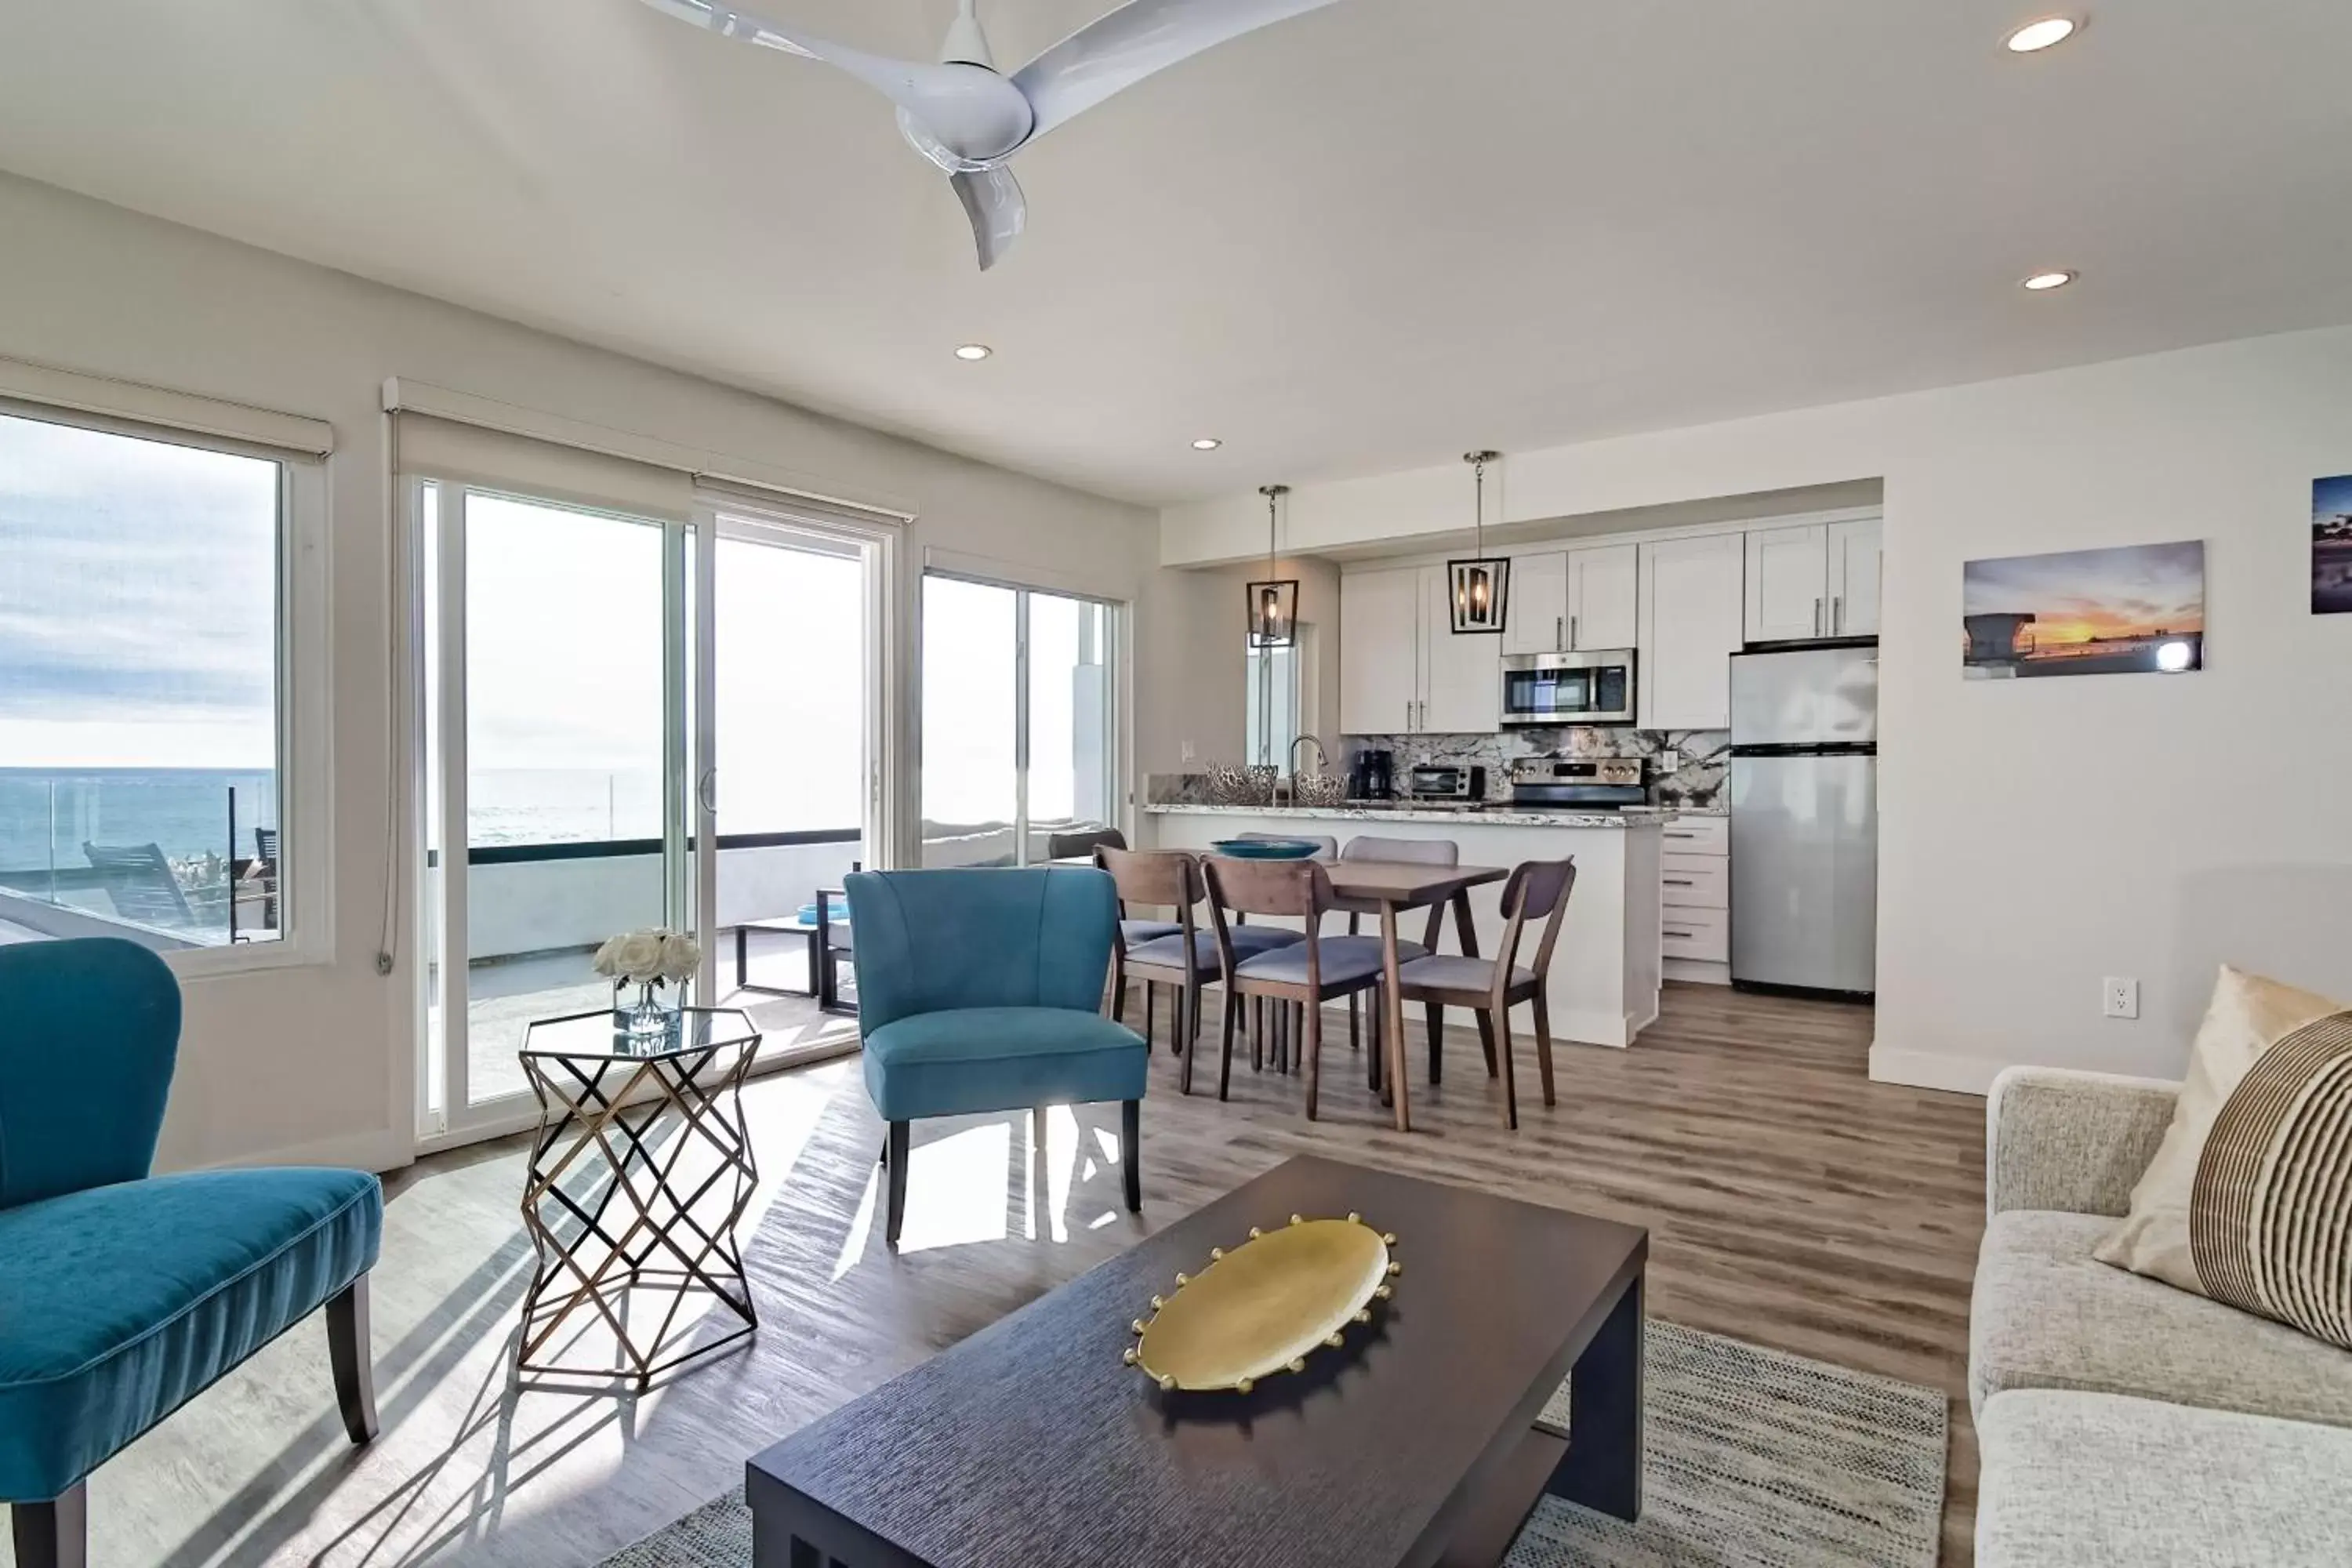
(1804, 819)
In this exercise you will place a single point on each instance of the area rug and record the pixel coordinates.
(1754, 1457)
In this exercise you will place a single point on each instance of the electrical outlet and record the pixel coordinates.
(1670, 760)
(2122, 997)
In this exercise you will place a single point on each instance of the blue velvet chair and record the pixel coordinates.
(122, 1295)
(981, 991)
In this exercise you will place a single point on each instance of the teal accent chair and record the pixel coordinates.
(122, 1295)
(981, 991)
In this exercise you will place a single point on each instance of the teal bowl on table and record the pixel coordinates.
(1266, 849)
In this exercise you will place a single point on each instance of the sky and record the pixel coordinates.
(138, 602)
(2331, 498)
(2083, 594)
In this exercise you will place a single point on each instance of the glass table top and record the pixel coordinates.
(605, 1033)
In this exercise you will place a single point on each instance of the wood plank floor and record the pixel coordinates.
(1792, 1203)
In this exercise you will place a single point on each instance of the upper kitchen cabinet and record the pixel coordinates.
(1379, 651)
(1605, 603)
(1537, 613)
(1857, 550)
(1461, 675)
(1574, 599)
(1693, 615)
(1788, 584)
(1817, 581)
(1403, 671)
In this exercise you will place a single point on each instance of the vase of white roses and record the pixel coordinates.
(649, 959)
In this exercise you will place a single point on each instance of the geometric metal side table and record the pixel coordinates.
(639, 1172)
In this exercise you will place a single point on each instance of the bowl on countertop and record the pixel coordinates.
(1266, 849)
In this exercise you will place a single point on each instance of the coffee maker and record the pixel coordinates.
(1372, 777)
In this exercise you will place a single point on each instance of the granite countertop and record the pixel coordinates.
(1481, 816)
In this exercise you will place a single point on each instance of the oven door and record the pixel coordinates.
(1569, 689)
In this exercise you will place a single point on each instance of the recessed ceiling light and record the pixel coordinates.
(2042, 282)
(974, 351)
(1207, 444)
(2035, 37)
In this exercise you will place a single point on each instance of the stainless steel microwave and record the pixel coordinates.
(1560, 689)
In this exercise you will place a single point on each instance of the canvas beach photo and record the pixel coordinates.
(2139, 609)
(2331, 546)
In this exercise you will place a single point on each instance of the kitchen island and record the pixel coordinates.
(1605, 972)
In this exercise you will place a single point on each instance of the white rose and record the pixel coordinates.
(680, 957)
(637, 955)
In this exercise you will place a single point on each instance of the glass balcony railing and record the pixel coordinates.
(174, 857)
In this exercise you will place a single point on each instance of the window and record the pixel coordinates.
(1272, 704)
(1020, 731)
(143, 634)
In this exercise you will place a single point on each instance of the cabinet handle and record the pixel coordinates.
(1559, 634)
(1680, 883)
(1686, 935)
(1837, 614)
(1817, 617)
(1574, 634)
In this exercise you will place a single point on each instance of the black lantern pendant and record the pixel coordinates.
(1273, 602)
(1481, 585)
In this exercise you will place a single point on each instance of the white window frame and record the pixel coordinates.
(305, 641)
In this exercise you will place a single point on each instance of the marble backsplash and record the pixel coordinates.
(1702, 756)
(1703, 760)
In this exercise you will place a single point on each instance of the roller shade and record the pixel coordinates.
(495, 459)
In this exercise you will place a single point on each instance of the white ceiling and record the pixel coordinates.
(1357, 241)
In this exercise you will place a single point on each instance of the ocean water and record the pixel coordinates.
(47, 815)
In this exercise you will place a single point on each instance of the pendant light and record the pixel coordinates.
(1481, 584)
(1273, 602)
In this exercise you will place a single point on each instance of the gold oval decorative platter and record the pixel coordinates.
(1266, 1305)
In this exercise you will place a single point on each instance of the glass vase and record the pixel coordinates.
(650, 1023)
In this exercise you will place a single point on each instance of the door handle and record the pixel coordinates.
(707, 790)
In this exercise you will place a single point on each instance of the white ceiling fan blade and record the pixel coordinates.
(991, 198)
(1131, 43)
(970, 106)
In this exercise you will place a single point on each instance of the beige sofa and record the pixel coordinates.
(2122, 1421)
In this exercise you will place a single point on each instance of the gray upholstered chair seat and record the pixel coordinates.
(1168, 952)
(1451, 972)
(1345, 959)
(1135, 933)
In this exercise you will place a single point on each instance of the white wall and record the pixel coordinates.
(316, 1061)
(1196, 656)
(2037, 835)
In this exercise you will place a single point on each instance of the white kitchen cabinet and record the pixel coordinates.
(1538, 617)
(1856, 551)
(1570, 599)
(1379, 651)
(1461, 675)
(1788, 584)
(1692, 619)
(1403, 671)
(1604, 600)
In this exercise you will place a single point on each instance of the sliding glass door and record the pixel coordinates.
(555, 749)
(629, 721)
(1020, 721)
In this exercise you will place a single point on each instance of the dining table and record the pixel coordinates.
(1398, 886)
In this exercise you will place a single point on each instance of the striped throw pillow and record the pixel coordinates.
(2269, 1215)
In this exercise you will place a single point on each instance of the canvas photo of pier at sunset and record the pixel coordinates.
(2331, 546)
(2135, 610)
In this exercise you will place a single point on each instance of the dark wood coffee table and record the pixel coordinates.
(1031, 1445)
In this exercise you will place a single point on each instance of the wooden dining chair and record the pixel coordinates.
(1280, 1036)
(1070, 846)
(1185, 960)
(1413, 852)
(1304, 973)
(1537, 891)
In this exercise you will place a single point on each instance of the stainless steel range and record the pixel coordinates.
(1602, 785)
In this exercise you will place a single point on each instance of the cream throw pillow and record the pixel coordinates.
(2248, 1015)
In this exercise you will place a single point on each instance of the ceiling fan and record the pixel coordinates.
(969, 120)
